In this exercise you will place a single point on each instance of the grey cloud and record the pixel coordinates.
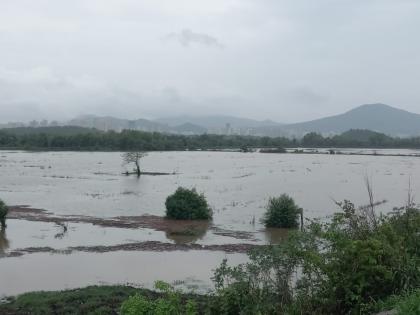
(305, 95)
(187, 37)
(287, 60)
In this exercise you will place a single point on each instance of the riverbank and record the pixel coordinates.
(87, 301)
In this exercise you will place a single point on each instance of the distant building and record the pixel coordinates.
(228, 129)
(33, 124)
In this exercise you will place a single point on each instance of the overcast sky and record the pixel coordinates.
(288, 61)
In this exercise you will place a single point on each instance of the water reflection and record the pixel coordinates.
(4, 242)
(187, 233)
(276, 235)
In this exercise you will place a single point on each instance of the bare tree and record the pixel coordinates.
(134, 157)
(368, 211)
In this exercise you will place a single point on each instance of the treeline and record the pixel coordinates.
(359, 139)
(128, 140)
(76, 138)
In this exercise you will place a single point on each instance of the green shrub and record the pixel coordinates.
(404, 304)
(170, 304)
(3, 213)
(340, 266)
(187, 204)
(410, 305)
(282, 212)
(137, 305)
(86, 301)
(260, 286)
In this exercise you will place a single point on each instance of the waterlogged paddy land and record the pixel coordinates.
(85, 223)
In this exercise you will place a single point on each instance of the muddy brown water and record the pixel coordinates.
(76, 185)
(42, 271)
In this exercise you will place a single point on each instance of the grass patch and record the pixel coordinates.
(407, 304)
(93, 300)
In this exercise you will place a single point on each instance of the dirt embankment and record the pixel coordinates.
(154, 246)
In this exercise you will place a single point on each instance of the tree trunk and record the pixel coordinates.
(301, 219)
(138, 169)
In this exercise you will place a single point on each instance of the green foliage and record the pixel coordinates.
(3, 213)
(282, 212)
(340, 267)
(137, 305)
(99, 300)
(76, 138)
(187, 204)
(170, 304)
(93, 300)
(260, 286)
(410, 305)
(404, 304)
(127, 140)
(313, 139)
(356, 259)
(359, 138)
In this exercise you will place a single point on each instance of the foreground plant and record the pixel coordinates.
(170, 304)
(337, 267)
(404, 304)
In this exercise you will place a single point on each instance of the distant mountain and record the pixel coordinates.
(111, 123)
(178, 125)
(217, 122)
(377, 117)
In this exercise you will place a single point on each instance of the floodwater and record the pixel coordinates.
(237, 186)
(37, 272)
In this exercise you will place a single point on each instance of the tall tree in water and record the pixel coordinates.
(134, 157)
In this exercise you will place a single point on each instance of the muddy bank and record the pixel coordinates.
(153, 246)
(175, 227)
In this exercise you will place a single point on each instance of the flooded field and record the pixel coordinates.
(88, 223)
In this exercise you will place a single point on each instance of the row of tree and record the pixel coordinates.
(90, 139)
(129, 140)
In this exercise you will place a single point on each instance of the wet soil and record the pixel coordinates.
(153, 246)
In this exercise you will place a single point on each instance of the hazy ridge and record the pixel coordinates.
(376, 117)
